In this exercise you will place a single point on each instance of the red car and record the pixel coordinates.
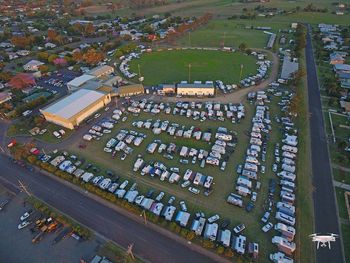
(34, 151)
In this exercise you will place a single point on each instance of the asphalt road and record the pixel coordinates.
(326, 214)
(149, 244)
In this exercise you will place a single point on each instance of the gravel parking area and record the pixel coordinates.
(16, 245)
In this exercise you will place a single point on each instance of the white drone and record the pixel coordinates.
(323, 239)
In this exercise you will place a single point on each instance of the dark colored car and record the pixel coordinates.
(249, 206)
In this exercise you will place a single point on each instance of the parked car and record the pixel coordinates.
(194, 190)
(160, 196)
(171, 200)
(267, 227)
(183, 206)
(23, 224)
(26, 215)
(213, 218)
(254, 196)
(249, 207)
(239, 228)
(265, 218)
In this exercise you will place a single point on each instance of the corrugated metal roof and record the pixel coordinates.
(74, 103)
(195, 86)
(78, 81)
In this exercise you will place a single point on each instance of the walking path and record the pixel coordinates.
(339, 167)
(341, 185)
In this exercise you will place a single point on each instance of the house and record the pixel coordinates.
(73, 109)
(345, 105)
(49, 45)
(336, 58)
(22, 81)
(23, 53)
(341, 68)
(33, 65)
(344, 78)
(4, 96)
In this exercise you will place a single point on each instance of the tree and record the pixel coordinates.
(242, 46)
(93, 57)
(43, 68)
(5, 76)
(89, 29)
(51, 58)
(52, 35)
(43, 55)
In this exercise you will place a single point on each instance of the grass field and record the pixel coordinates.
(224, 181)
(233, 32)
(173, 66)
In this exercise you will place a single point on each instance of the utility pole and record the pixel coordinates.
(189, 38)
(24, 188)
(143, 214)
(129, 251)
(223, 41)
(240, 75)
(140, 77)
(189, 72)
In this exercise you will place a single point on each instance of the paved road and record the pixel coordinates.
(122, 228)
(326, 214)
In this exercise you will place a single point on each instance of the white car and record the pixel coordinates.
(274, 168)
(267, 227)
(194, 190)
(183, 206)
(223, 166)
(107, 150)
(254, 196)
(23, 224)
(26, 215)
(238, 229)
(160, 196)
(262, 169)
(213, 218)
(57, 134)
(185, 184)
(124, 119)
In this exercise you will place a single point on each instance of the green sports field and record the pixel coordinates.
(173, 66)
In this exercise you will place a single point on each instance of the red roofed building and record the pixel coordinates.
(22, 81)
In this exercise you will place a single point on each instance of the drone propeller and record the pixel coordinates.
(313, 235)
(333, 235)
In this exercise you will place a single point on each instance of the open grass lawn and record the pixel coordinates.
(173, 66)
(343, 213)
(224, 181)
(346, 240)
(341, 176)
(225, 32)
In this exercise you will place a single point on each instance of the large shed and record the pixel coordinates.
(75, 108)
